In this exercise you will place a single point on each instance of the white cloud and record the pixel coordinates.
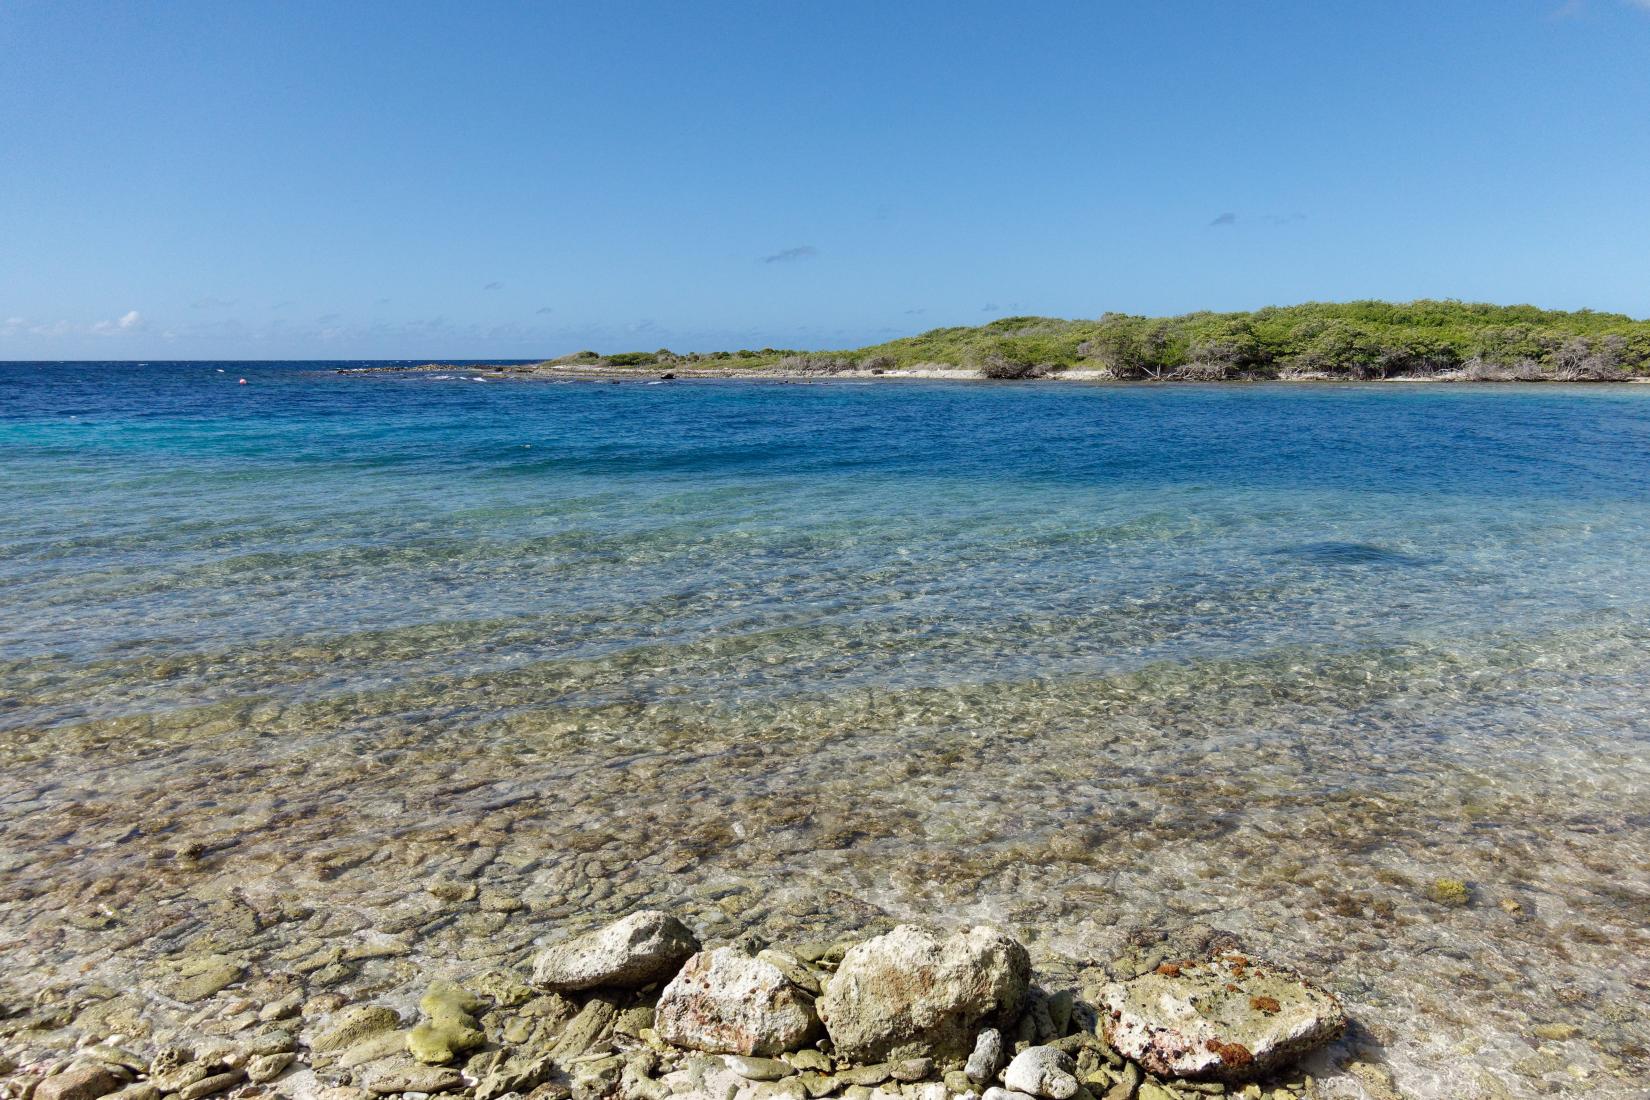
(132, 321)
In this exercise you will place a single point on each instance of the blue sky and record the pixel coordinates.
(332, 180)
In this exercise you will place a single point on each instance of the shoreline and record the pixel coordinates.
(641, 1009)
(937, 373)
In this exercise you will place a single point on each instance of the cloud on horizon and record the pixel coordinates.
(494, 286)
(130, 321)
(791, 255)
(1227, 218)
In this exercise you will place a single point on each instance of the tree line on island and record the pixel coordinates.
(1362, 340)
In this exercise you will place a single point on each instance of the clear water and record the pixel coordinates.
(799, 660)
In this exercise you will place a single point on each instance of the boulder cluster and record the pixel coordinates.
(641, 1010)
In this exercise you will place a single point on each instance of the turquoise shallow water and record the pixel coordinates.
(1076, 659)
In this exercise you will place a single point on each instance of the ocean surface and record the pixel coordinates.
(1092, 663)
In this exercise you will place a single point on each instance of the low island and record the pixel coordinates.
(1428, 340)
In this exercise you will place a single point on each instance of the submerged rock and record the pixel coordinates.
(1222, 1018)
(726, 1002)
(649, 946)
(910, 994)
(264, 1068)
(79, 1083)
(350, 1025)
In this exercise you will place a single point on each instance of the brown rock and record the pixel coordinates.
(79, 1083)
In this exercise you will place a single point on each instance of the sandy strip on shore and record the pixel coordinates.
(941, 373)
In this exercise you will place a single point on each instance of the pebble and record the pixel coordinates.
(809, 1059)
(757, 1069)
(283, 1009)
(910, 1070)
(266, 1067)
(211, 1086)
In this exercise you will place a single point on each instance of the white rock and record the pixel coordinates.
(644, 947)
(1223, 1018)
(1042, 1071)
(908, 994)
(987, 1060)
(995, 1093)
(725, 1002)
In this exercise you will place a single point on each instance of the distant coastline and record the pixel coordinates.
(550, 369)
(1365, 341)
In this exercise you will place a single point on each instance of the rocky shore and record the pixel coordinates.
(642, 1010)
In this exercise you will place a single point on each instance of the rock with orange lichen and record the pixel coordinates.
(1224, 1018)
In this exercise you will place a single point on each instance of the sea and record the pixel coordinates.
(1354, 675)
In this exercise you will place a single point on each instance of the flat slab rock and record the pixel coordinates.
(648, 946)
(1224, 1019)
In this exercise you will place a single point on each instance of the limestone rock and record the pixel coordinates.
(449, 1025)
(987, 1060)
(79, 1083)
(1223, 1018)
(211, 1086)
(406, 1075)
(591, 1026)
(725, 1002)
(521, 1074)
(910, 1070)
(1042, 1071)
(649, 946)
(266, 1067)
(202, 976)
(350, 1025)
(910, 994)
